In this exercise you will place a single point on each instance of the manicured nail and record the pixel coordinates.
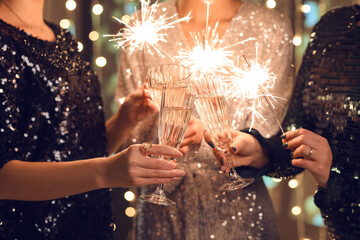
(211, 144)
(285, 145)
(283, 136)
(220, 169)
(234, 149)
(291, 154)
(222, 161)
(180, 173)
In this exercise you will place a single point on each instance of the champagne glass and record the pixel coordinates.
(177, 102)
(212, 109)
(167, 74)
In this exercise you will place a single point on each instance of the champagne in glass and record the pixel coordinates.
(168, 74)
(176, 106)
(211, 107)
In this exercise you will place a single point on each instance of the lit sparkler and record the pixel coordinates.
(146, 31)
(206, 57)
(253, 84)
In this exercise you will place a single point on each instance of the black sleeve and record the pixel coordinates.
(279, 158)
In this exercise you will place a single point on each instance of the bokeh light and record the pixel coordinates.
(65, 23)
(97, 9)
(130, 211)
(296, 210)
(293, 183)
(101, 61)
(271, 4)
(129, 196)
(70, 5)
(94, 35)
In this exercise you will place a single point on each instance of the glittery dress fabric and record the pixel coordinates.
(51, 111)
(202, 211)
(326, 100)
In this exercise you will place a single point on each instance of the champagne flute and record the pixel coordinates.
(212, 109)
(168, 87)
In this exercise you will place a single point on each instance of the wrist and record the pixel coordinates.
(100, 165)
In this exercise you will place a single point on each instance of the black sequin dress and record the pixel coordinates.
(51, 111)
(326, 100)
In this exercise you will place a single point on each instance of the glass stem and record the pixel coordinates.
(160, 190)
(233, 174)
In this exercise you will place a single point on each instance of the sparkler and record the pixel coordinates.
(146, 31)
(252, 84)
(206, 57)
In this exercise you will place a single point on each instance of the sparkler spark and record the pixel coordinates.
(253, 84)
(146, 31)
(206, 57)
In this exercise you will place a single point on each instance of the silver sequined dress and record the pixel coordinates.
(202, 211)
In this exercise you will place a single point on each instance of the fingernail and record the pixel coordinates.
(291, 161)
(180, 173)
(234, 149)
(291, 154)
(285, 145)
(211, 144)
(222, 161)
(220, 169)
(283, 135)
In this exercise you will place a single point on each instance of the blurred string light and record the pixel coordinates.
(305, 8)
(65, 23)
(80, 46)
(296, 210)
(293, 183)
(101, 61)
(297, 40)
(129, 196)
(97, 9)
(271, 3)
(94, 35)
(70, 5)
(130, 212)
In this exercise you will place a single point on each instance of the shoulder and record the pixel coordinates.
(338, 18)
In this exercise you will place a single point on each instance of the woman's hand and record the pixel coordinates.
(310, 151)
(246, 151)
(193, 135)
(132, 168)
(138, 105)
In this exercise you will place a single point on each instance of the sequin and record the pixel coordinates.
(201, 209)
(44, 118)
(326, 100)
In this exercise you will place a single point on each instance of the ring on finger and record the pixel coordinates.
(310, 153)
(145, 148)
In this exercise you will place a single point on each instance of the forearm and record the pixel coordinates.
(117, 131)
(37, 181)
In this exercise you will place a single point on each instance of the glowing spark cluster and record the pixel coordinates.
(206, 57)
(251, 85)
(146, 30)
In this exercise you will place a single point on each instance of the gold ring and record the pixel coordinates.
(310, 153)
(145, 148)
